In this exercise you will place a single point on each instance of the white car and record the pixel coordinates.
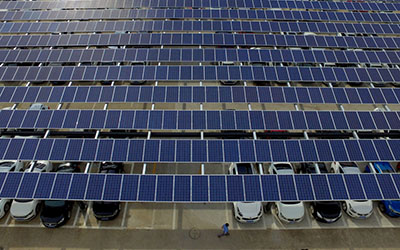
(25, 210)
(245, 212)
(359, 209)
(8, 166)
(38, 106)
(289, 212)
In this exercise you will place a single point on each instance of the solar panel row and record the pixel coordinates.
(212, 94)
(196, 120)
(147, 39)
(178, 25)
(198, 55)
(212, 151)
(199, 188)
(199, 14)
(128, 4)
(199, 73)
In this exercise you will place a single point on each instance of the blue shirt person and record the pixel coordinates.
(225, 230)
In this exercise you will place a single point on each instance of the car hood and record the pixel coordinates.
(291, 210)
(395, 205)
(361, 207)
(20, 209)
(329, 210)
(249, 209)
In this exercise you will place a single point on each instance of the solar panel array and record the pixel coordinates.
(199, 120)
(195, 188)
(204, 39)
(242, 14)
(199, 73)
(205, 26)
(200, 151)
(200, 94)
(351, 6)
(172, 43)
(199, 55)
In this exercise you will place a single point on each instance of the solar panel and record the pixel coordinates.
(202, 4)
(202, 150)
(138, 39)
(187, 26)
(198, 188)
(198, 14)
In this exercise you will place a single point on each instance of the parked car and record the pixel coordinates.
(8, 166)
(38, 106)
(56, 213)
(359, 209)
(323, 211)
(24, 210)
(389, 207)
(292, 211)
(245, 212)
(104, 210)
(310, 168)
(326, 211)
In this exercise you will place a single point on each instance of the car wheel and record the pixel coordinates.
(37, 209)
(312, 210)
(69, 214)
(344, 205)
(7, 207)
(267, 207)
(382, 207)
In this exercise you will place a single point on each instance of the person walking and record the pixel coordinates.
(225, 230)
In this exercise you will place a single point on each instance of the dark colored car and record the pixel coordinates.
(104, 210)
(69, 167)
(56, 213)
(326, 211)
(309, 168)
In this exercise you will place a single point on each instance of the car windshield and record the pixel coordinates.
(290, 202)
(282, 166)
(40, 166)
(351, 170)
(54, 203)
(23, 201)
(329, 207)
(244, 168)
(7, 164)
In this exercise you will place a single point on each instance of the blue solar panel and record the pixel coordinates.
(147, 187)
(27, 186)
(61, 186)
(235, 188)
(200, 188)
(287, 187)
(321, 188)
(95, 187)
(165, 186)
(354, 187)
(217, 188)
(387, 186)
(371, 187)
(112, 187)
(78, 187)
(304, 188)
(44, 186)
(129, 189)
(182, 188)
(338, 188)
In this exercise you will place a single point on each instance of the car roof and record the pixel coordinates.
(383, 166)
